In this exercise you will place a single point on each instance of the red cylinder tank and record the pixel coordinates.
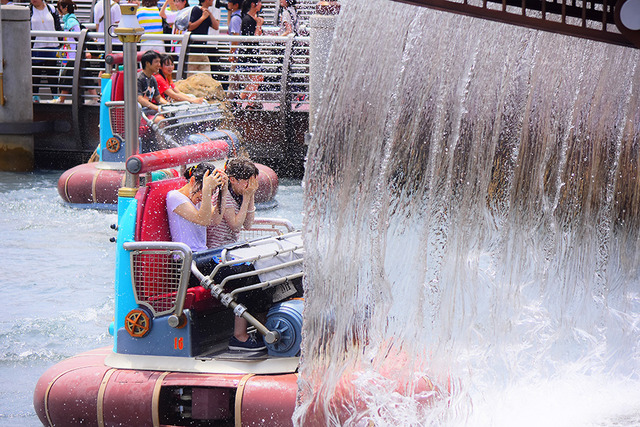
(84, 391)
(267, 184)
(97, 183)
(91, 183)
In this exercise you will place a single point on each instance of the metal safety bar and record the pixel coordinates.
(225, 251)
(268, 283)
(263, 227)
(228, 298)
(178, 115)
(239, 310)
(189, 114)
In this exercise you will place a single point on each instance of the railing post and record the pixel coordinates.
(2, 98)
(181, 72)
(75, 85)
(285, 98)
(130, 33)
(108, 42)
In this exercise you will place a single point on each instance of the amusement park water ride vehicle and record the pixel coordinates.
(170, 362)
(95, 184)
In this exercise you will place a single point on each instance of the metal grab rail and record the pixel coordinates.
(281, 64)
(160, 275)
(228, 298)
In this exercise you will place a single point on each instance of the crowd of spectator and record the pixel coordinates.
(172, 16)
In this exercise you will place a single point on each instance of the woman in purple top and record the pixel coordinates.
(190, 208)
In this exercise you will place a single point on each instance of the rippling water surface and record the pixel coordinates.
(56, 278)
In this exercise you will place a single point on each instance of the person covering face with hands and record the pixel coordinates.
(190, 208)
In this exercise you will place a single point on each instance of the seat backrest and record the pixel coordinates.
(117, 86)
(152, 220)
(116, 114)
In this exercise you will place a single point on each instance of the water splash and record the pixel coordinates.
(471, 219)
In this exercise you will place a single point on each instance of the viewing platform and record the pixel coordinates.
(66, 133)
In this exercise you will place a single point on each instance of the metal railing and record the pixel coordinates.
(278, 65)
(581, 18)
(160, 275)
(263, 227)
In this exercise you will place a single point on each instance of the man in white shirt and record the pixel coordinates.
(98, 19)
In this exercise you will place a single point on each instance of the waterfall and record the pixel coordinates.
(472, 224)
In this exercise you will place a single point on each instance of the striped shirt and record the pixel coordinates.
(149, 19)
(222, 234)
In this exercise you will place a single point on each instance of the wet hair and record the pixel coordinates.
(197, 172)
(69, 4)
(148, 57)
(240, 168)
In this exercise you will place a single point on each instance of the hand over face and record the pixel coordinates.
(252, 186)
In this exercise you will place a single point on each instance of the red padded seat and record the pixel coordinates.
(116, 115)
(152, 222)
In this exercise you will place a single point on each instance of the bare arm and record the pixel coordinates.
(144, 101)
(287, 29)
(246, 214)
(215, 24)
(205, 14)
(160, 100)
(163, 11)
(180, 96)
(259, 22)
(203, 215)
